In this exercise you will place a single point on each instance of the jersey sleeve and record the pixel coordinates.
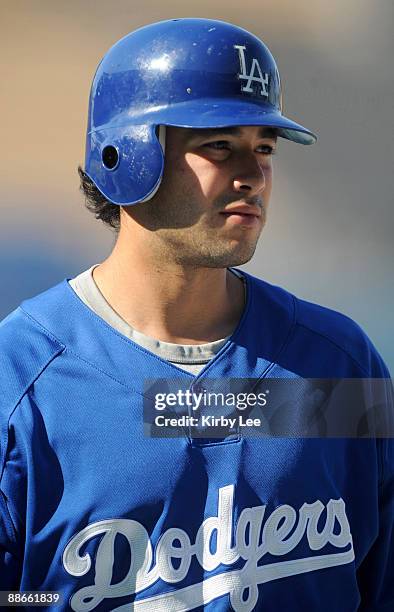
(10, 555)
(25, 352)
(376, 572)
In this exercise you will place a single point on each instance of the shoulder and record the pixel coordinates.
(335, 327)
(320, 341)
(341, 334)
(26, 349)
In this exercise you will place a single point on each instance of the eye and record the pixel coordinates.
(224, 145)
(218, 145)
(266, 150)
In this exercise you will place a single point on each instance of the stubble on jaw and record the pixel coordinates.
(176, 232)
(203, 247)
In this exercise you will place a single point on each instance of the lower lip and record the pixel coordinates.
(240, 219)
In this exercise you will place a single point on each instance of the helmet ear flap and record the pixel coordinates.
(126, 163)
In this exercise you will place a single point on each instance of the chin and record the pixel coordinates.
(226, 259)
(240, 260)
(241, 255)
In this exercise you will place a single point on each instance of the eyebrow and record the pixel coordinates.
(265, 132)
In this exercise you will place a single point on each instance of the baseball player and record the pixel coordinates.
(95, 513)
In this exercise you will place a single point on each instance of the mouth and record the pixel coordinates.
(243, 211)
(242, 218)
(242, 215)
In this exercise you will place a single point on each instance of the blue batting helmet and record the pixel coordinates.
(194, 73)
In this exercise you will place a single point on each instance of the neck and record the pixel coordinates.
(166, 300)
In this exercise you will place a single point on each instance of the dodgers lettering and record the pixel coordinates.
(275, 541)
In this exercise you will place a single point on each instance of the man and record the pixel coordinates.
(183, 123)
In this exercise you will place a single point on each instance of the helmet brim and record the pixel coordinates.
(217, 113)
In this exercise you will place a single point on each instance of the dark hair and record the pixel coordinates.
(98, 204)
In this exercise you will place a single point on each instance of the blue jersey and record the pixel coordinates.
(114, 520)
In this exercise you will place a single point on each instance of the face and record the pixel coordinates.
(211, 205)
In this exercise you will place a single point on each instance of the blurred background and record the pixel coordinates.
(329, 235)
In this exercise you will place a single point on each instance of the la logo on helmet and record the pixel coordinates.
(260, 78)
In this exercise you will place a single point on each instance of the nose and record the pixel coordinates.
(250, 177)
